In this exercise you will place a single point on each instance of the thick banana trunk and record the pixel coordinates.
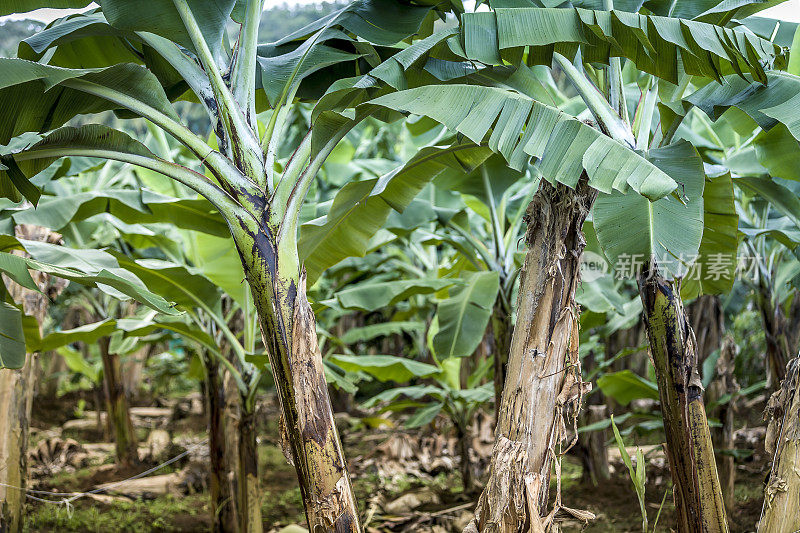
(782, 495)
(775, 333)
(289, 330)
(223, 503)
(591, 445)
(698, 497)
(230, 415)
(117, 407)
(16, 397)
(132, 370)
(17, 388)
(543, 377)
(249, 491)
(724, 383)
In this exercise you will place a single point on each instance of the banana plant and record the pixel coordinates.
(486, 235)
(181, 43)
(770, 276)
(127, 219)
(745, 139)
(432, 273)
(516, 35)
(161, 53)
(117, 403)
(768, 212)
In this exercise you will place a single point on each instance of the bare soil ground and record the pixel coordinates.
(404, 481)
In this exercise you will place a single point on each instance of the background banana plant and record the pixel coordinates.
(479, 77)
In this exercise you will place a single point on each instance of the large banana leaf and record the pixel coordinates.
(599, 295)
(656, 45)
(217, 259)
(17, 267)
(373, 296)
(717, 260)
(37, 97)
(405, 69)
(86, 40)
(780, 197)
(129, 206)
(778, 151)
(777, 102)
(88, 333)
(625, 386)
(775, 108)
(162, 18)
(23, 6)
(361, 208)
(319, 59)
(631, 229)
(24, 158)
(385, 367)
(175, 283)
(128, 327)
(65, 30)
(94, 268)
(414, 392)
(138, 327)
(500, 178)
(77, 364)
(383, 329)
(565, 146)
(12, 337)
(82, 40)
(382, 22)
(766, 27)
(713, 11)
(785, 234)
(463, 316)
(297, 65)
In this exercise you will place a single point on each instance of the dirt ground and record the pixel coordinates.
(403, 480)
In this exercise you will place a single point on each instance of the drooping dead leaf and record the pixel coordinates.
(55, 455)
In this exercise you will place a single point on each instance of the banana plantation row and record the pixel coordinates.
(493, 197)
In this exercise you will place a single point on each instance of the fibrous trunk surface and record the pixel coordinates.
(223, 505)
(543, 377)
(502, 330)
(15, 406)
(775, 333)
(781, 510)
(249, 491)
(725, 384)
(697, 493)
(288, 327)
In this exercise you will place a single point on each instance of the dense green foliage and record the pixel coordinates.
(382, 157)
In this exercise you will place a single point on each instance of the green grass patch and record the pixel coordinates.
(164, 514)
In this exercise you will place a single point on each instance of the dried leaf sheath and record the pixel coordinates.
(543, 380)
(780, 512)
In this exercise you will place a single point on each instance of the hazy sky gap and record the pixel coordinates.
(787, 11)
